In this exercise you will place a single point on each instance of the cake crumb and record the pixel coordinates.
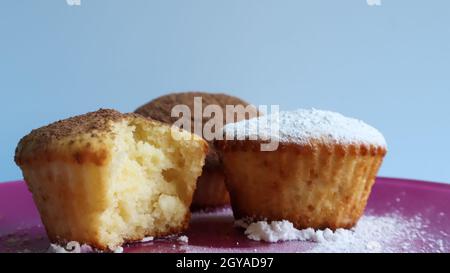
(183, 239)
(70, 247)
(118, 250)
(147, 239)
(374, 246)
(241, 223)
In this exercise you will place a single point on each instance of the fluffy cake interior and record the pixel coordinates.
(106, 178)
(150, 186)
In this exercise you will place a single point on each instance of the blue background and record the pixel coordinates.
(388, 65)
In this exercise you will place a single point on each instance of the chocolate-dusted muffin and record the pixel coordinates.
(105, 178)
(211, 190)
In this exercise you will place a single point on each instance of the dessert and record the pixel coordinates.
(105, 178)
(211, 190)
(320, 176)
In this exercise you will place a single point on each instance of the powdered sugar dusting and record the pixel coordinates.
(282, 231)
(76, 247)
(147, 239)
(301, 126)
(183, 239)
(390, 233)
(70, 247)
(118, 250)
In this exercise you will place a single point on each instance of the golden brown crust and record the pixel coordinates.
(315, 185)
(67, 167)
(80, 156)
(97, 121)
(211, 190)
(82, 135)
(93, 125)
(340, 149)
(160, 108)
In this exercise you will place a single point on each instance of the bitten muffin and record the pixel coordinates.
(211, 190)
(320, 175)
(105, 178)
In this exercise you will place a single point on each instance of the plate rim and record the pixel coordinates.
(379, 179)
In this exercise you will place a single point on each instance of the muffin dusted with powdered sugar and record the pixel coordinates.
(320, 175)
(302, 125)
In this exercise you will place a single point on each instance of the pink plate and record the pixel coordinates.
(401, 216)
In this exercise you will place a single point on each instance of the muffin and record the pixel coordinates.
(105, 178)
(211, 190)
(320, 175)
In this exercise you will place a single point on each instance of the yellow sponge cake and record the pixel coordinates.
(105, 178)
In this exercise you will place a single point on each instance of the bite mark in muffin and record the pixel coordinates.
(211, 190)
(105, 178)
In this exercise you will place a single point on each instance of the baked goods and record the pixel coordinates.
(320, 176)
(211, 190)
(105, 178)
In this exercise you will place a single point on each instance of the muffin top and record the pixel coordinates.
(301, 126)
(97, 120)
(160, 109)
(87, 132)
